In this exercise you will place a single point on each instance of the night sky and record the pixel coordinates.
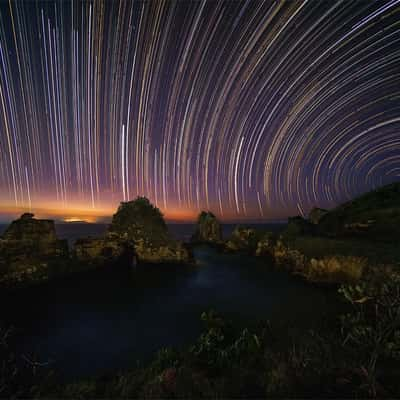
(252, 109)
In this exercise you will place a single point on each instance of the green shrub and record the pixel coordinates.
(371, 331)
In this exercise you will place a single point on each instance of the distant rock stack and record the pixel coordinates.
(30, 251)
(208, 229)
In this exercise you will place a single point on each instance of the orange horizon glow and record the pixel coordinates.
(80, 213)
(77, 213)
(77, 210)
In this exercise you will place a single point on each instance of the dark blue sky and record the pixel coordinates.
(255, 110)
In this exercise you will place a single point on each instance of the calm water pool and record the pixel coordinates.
(97, 322)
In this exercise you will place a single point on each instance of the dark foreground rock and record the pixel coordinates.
(30, 252)
(298, 226)
(316, 214)
(208, 229)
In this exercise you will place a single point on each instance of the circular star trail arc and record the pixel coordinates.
(253, 109)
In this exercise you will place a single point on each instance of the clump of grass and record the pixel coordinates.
(336, 269)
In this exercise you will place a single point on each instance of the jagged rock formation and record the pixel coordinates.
(265, 244)
(316, 214)
(30, 251)
(171, 252)
(208, 229)
(140, 220)
(105, 251)
(328, 269)
(243, 239)
(141, 223)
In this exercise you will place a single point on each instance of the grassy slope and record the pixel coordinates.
(381, 206)
(380, 244)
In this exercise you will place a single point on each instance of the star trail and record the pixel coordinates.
(252, 109)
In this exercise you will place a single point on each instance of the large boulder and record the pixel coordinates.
(30, 251)
(170, 252)
(208, 229)
(316, 214)
(243, 239)
(266, 244)
(140, 220)
(141, 223)
(104, 251)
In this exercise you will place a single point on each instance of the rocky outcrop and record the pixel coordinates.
(142, 224)
(30, 252)
(328, 269)
(139, 220)
(243, 239)
(289, 259)
(106, 251)
(171, 252)
(266, 244)
(316, 214)
(208, 229)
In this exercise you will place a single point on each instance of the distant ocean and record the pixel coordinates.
(73, 231)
